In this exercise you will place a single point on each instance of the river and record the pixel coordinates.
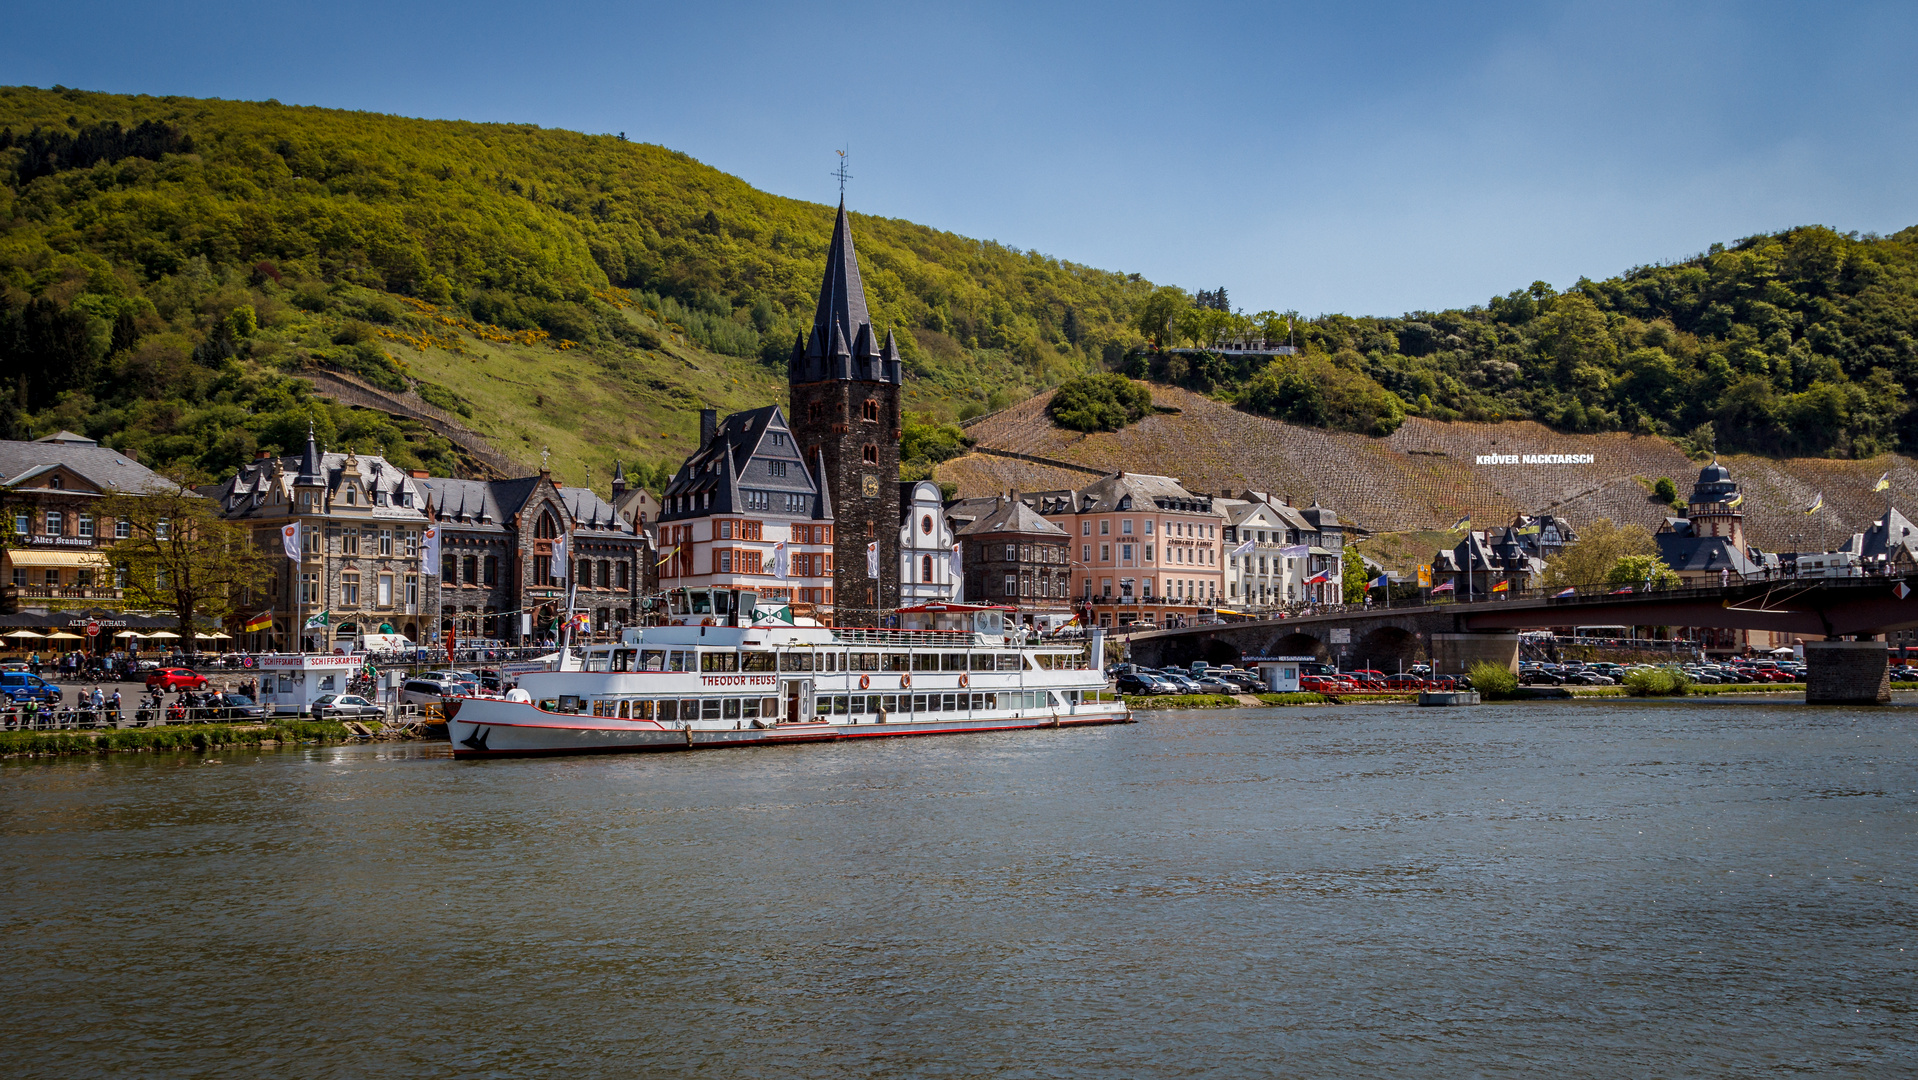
(1595, 889)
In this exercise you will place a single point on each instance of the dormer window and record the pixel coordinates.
(352, 497)
(53, 482)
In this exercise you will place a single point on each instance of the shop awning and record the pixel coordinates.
(35, 557)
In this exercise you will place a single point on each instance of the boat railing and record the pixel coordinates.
(947, 639)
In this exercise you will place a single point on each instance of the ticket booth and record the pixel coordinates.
(1279, 673)
(290, 684)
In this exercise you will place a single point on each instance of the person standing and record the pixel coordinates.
(113, 713)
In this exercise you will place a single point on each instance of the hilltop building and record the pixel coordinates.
(744, 492)
(845, 387)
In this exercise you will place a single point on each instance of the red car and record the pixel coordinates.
(1405, 682)
(174, 679)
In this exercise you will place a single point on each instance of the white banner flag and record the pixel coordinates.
(1244, 549)
(782, 564)
(562, 566)
(872, 559)
(290, 541)
(952, 562)
(430, 551)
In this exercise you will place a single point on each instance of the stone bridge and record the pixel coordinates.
(1454, 636)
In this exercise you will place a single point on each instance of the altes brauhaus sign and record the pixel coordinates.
(1536, 459)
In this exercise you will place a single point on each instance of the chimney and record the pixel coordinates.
(262, 455)
(418, 474)
(708, 426)
(130, 454)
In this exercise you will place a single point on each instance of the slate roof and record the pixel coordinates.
(1011, 516)
(742, 454)
(246, 493)
(105, 468)
(843, 344)
(1891, 535)
(1686, 553)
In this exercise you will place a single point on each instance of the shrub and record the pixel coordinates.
(1493, 681)
(1102, 402)
(1318, 393)
(1657, 682)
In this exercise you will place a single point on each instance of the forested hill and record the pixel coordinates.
(1803, 342)
(166, 261)
(169, 266)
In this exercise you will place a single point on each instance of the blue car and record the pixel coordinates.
(24, 686)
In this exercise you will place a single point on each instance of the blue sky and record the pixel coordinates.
(1364, 158)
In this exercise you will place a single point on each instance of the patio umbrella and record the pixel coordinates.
(128, 633)
(161, 634)
(62, 635)
(23, 634)
(212, 637)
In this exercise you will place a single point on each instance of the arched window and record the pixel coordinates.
(547, 527)
(870, 410)
(925, 568)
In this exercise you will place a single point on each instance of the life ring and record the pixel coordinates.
(905, 682)
(964, 681)
(865, 682)
(707, 621)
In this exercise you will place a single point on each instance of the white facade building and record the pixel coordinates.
(925, 546)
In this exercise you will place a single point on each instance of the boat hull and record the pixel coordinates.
(489, 728)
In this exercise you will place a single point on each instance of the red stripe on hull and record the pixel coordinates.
(778, 740)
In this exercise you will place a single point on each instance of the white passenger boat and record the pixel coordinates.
(726, 672)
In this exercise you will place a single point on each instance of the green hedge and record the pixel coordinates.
(181, 737)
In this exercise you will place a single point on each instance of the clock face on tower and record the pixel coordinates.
(869, 486)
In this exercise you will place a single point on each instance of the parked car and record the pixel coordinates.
(1246, 681)
(25, 686)
(1540, 677)
(1407, 681)
(1179, 679)
(1325, 684)
(172, 680)
(1139, 682)
(344, 706)
(236, 707)
(429, 691)
(1590, 677)
(1211, 683)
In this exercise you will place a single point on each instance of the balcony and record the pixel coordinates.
(96, 593)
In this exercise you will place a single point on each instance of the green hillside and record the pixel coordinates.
(169, 262)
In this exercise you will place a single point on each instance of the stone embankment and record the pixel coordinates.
(348, 390)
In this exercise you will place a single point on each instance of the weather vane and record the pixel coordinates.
(841, 172)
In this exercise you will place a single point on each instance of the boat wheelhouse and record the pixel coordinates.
(725, 671)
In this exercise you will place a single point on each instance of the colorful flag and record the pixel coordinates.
(1462, 523)
(1444, 587)
(1381, 582)
(674, 550)
(872, 559)
(1621, 589)
(1501, 586)
(290, 541)
(1296, 551)
(1245, 548)
(1320, 577)
(262, 621)
(1816, 503)
(430, 550)
(1884, 482)
(1567, 591)
(1735, 499)
(318, 620)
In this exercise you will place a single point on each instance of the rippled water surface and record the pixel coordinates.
(1593, 889)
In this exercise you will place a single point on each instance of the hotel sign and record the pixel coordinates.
(1536, 459)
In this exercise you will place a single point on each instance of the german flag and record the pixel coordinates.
(262, 621)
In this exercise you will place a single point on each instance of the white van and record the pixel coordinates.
(383, 644)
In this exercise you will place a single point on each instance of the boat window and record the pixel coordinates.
(710, 711)
(891, 703)
(839, 705)
(758, 661)
(688, 708)
(858, 705)
(597, 661)
(898, 661)
(919, 702)
(749, 709)
(702, 601)
(652, 660)
(795, 661)
(982, 661)
(732, 708)
(679, 660)
(978, 701)
(925, 661)
(623, 659)
(949, 703)
(952, 661)
(568, 703)
(719, 661)
(769, 706)
(668, 712)
(831, 661)
(864, 661)
(1008, 661)
(822, 705)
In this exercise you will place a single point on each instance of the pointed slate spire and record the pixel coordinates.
(310, 463)
(842, 297)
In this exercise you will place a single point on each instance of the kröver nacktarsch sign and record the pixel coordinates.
(1536, 459)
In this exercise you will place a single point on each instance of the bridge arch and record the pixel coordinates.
(1388, 649)
(1298, 643)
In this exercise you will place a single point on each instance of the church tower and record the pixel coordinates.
(845, 416)
(1714, 508)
